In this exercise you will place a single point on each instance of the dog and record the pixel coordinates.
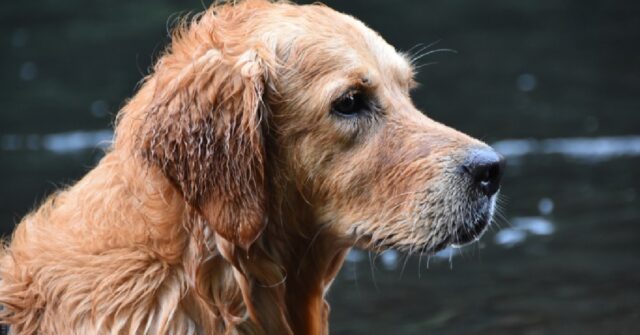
(269, 139)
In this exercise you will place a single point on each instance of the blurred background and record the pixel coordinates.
(553, 84)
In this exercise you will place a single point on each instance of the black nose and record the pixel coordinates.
(485, 167)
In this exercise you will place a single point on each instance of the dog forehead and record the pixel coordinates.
(352, 46)
(385, 56)
(325, 48)
(364, 50)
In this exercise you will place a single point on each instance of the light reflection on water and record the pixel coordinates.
(521, 228)
(61, 143)
(590, 149)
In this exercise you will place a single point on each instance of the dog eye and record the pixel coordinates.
(350, 104)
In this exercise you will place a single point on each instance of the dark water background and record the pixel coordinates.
(554, 84)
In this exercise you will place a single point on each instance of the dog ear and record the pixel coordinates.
(203, 130)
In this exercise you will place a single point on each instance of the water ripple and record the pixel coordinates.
(588, 148)
(60, 143)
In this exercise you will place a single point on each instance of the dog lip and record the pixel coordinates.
(465, 235)
(438, 247)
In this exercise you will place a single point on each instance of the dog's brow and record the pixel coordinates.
(386, 56)
(367, 80)
(400, 70)
(408, 71)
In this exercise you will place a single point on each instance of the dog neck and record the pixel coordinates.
(313, 261)
(310, 253)
(282, 279)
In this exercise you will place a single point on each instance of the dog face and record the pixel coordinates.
(375, 170)
(255, 92)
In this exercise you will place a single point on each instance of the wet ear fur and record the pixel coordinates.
(203, 130)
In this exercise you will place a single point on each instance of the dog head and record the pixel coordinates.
(256, 90)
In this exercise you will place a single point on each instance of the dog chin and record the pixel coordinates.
(468, 233)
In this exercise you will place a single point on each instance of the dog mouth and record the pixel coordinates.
(453, 232)
(467, 233)
(462, 235)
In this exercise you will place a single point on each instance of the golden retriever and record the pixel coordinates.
(269, 139)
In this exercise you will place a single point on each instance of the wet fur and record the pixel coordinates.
(229, 198)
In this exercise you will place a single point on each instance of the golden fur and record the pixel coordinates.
(231, 194)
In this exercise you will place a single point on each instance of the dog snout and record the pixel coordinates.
(486, 167)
